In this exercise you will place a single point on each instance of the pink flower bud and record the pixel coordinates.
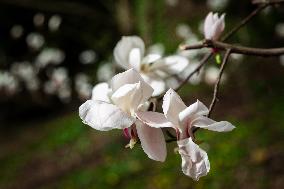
(214, 26)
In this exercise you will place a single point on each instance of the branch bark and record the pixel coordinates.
(217, 85)
(237, 49)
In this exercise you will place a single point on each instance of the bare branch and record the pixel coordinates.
(196, 70)
(243, 22)
(227, 36)
(237, 49)
(217, 84)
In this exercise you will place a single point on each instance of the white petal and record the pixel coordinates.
(217, 29)
(123, 48)
(100, 92)
(195, 161)
(207, 123)
(174, 64)
(196, 109)
(131, 77)
(150, 58)
(128, 97)
(208, 23)
(154, 119)
(172, 106)
(152, 141)
(104, 116)
(155, 82)
(135, 59)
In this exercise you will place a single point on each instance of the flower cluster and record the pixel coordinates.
(124, 103)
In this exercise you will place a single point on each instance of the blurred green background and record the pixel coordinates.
(44, 144)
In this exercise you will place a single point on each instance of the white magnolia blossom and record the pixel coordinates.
(8, 82)
(35, 40)
(116, 107)
(129, 53)
(54, 22)
(88, 57)
(49, 56)
(213, 26)
(26, 73)
(211, 75)
(17, 31)
(105, 71)
(83, 86)
(59, 84)
(182, 118)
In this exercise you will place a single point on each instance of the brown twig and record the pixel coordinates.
(237, 49)
(217, 84)
(227, 36)
(196, 70)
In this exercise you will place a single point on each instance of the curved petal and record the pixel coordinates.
(195, 163)
(100, 92)
(150, 58)
(131, 77)
(207, 123)
(123, 48)
(195, 109)
(128, 97)
(217, 29)
(172, 106)
(175, 64)
(104, 116)
(154, 119)
(208, 24)
(152, 141)
(135, 59)
(156, 83)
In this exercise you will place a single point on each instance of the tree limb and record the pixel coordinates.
(237, 49)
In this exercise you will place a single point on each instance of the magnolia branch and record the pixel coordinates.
(236, 48)
(217, 85)
(227, 36)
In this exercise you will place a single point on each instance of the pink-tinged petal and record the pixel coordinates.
(104, 116)
(196, 109)
(208, 24)
(216, 30)
(135, 59)
(154, 119)
(172, 106)
(152, 141)
(155, 82)
(131, 77)
(207, 123)
(174, 64)
(151, 58)
(100, 92)
(128, 97)
(123, 48)
(195, 163)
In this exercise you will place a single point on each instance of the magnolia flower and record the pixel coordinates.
(116, 106)
(129, 53)
(59, 84)
(26, 73)
(176, 115)
(214, 26)
(8, 83)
